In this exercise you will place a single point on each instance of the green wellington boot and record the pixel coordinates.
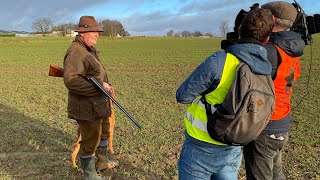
(88, 166)
(103, 161)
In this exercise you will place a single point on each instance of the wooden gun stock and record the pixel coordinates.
(55, 71)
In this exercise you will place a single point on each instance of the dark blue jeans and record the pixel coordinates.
(205, 163)
(263, 157)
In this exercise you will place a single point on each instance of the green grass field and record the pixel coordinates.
(36, 134)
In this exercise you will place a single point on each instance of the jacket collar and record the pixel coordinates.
(227, 43)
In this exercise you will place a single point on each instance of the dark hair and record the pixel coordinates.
(257, 25)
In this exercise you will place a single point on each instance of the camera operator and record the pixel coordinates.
(201, 156)
(263, 155)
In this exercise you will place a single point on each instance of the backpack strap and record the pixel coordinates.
(209, 109)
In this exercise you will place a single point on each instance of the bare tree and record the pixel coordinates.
(209, 34)
(186, 33)
(43, 25)
(197, 34)
(177, 34)
(170, 33)
(65, 28)
(224, 28)
(113, 28)
(126, 33)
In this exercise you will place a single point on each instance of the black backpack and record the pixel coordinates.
(245, 110)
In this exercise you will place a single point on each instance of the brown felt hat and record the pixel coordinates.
(282, 10)
(88, 24)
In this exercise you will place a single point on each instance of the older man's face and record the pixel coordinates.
(90, 38)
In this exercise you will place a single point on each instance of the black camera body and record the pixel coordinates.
(242, 13)
(304, 25)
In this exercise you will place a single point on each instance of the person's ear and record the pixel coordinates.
(274, 19)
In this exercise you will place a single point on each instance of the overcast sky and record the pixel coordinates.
(139, 17)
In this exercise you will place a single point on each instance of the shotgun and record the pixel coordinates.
(57, 71)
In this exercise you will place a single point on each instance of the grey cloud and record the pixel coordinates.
(161, 22)
(208, 6)
(19, 14)
(204, 17)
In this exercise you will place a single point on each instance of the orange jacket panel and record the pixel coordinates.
(287, 73)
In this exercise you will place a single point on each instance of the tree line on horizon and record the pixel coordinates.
(186, 33)
(224, 26)
(111, 27)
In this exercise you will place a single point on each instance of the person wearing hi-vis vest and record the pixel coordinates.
(202, 157)
(263, 156)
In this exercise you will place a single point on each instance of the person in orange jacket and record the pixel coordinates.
(263, 155)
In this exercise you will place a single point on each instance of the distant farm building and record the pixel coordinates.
(71, 33)
(15, 34)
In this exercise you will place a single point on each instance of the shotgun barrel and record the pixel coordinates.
(57, 71)
(94, 81)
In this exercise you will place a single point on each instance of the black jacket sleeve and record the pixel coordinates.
(274, 58)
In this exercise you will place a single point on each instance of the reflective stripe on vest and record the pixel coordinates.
(196, 118)
(287, 73)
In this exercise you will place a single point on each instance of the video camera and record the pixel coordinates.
(304, 25)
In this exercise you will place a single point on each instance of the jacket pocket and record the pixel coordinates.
(73, 106)
(100, 107)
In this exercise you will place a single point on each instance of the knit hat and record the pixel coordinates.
(88, 24)
(282, 10)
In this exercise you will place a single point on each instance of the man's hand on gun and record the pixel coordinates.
(108, 87)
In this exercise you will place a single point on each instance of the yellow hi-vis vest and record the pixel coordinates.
(196, 118)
